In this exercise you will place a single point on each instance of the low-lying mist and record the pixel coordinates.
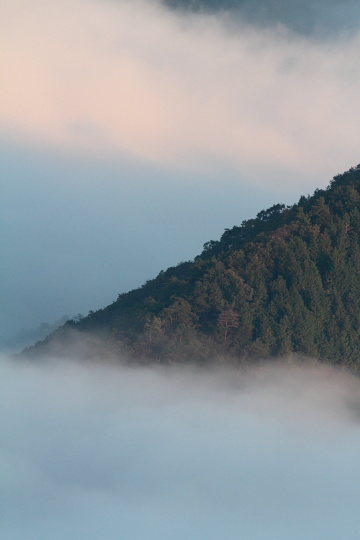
(98, 451)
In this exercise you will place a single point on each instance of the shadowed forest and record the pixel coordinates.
(284, 283)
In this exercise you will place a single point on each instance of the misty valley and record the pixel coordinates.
(193, 407)
(179, 177)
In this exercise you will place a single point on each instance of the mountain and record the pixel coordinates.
(286, 282)
(28, 336)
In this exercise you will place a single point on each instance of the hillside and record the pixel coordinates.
(287, 281)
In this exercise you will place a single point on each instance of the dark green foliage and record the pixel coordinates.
(285, 282)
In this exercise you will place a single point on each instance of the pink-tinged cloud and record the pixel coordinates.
(185, 91)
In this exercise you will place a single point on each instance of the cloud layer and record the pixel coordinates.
(94, 451)
(187, 91)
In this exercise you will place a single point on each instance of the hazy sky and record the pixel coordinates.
(94, 452)
(132, 133)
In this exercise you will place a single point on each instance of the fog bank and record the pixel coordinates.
(101, 451)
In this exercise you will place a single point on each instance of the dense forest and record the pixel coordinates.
(282, 284)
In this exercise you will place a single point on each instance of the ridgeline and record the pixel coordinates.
(286, 282)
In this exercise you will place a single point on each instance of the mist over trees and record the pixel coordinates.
(28, 336)
(286, 282)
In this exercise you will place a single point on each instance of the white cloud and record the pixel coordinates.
(185, 91)
(94, 451)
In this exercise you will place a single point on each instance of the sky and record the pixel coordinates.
(98, 451)
(132, 132)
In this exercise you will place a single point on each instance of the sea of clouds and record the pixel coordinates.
(96, 450)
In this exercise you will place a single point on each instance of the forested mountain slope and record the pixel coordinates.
(285, 282)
